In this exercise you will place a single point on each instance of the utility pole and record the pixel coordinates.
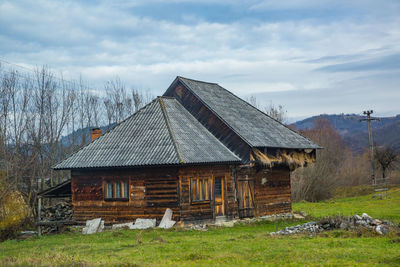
(371, 143)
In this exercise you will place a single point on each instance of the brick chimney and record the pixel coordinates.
(94, 133)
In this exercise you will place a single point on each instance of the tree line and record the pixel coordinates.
(337, 167)
(37, 109)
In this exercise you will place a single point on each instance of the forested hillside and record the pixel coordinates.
(355, 133)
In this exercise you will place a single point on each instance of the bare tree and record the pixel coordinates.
(276, 112)
(83, 119)
(119, 104)
(386, 157)
(116, 94)
(138, 99)
(317, 181)
(37, 111)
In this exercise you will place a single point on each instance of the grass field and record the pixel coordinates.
(243, 245)
(377, 208)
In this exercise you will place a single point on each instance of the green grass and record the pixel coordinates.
(242, 245)
(377, 208)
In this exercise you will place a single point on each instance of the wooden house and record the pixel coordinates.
(199, 150)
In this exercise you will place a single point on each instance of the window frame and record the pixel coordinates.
(123, 185)
(203, 195)
(221, 185)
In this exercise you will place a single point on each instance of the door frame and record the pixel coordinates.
(250, 211)
(223, 184)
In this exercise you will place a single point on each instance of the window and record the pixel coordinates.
(218, 186)
(200, 189)
(116, 190)
(109, 190)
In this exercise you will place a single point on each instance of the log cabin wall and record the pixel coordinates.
(214, 124)
(150, 191)
(270, 188)
(205, 210)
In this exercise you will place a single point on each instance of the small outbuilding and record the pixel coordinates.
(199, 150)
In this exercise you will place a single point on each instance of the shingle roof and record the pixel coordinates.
(253, 126)
(161, 133)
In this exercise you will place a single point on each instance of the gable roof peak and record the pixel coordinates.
(193, 80)
(161, 133)
(253, 126)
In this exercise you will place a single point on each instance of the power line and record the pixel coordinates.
(72, 82)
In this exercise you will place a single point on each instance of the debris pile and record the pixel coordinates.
(275, 217)
(203, 226)
(310, 227)
(139, 224)
(345, 223)
(62, 211)
(197, 227)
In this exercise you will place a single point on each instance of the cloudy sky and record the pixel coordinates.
(313, 57)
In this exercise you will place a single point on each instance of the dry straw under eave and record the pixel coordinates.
(293, 158)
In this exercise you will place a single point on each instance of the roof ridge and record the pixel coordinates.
(165, 115)
(180, 77)
(215, 113)
(166, 97)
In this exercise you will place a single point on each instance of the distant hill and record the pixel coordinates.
(85, 133)
(355, 133)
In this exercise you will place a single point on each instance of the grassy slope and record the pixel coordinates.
(377, 208)
(242, 245)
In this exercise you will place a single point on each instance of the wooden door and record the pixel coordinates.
(246, 197)
(219, 193)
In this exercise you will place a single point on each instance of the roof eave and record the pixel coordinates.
(152, 165)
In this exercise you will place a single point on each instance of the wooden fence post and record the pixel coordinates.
(39, 217)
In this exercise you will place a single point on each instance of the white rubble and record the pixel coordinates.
(298, 216)
(139, 224)
(344, 223)
(143, 224)
(167, 221)
(227, 223)
(101, 226)
(122, 226)
(197, 227)
(366, 216)
(93, 226)
(382, 229)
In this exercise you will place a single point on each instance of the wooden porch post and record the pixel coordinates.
(39, 217)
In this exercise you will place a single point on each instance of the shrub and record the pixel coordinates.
(14, 214)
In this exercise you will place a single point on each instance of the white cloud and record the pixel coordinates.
(248, 57)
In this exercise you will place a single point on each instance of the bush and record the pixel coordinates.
(14, 215)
